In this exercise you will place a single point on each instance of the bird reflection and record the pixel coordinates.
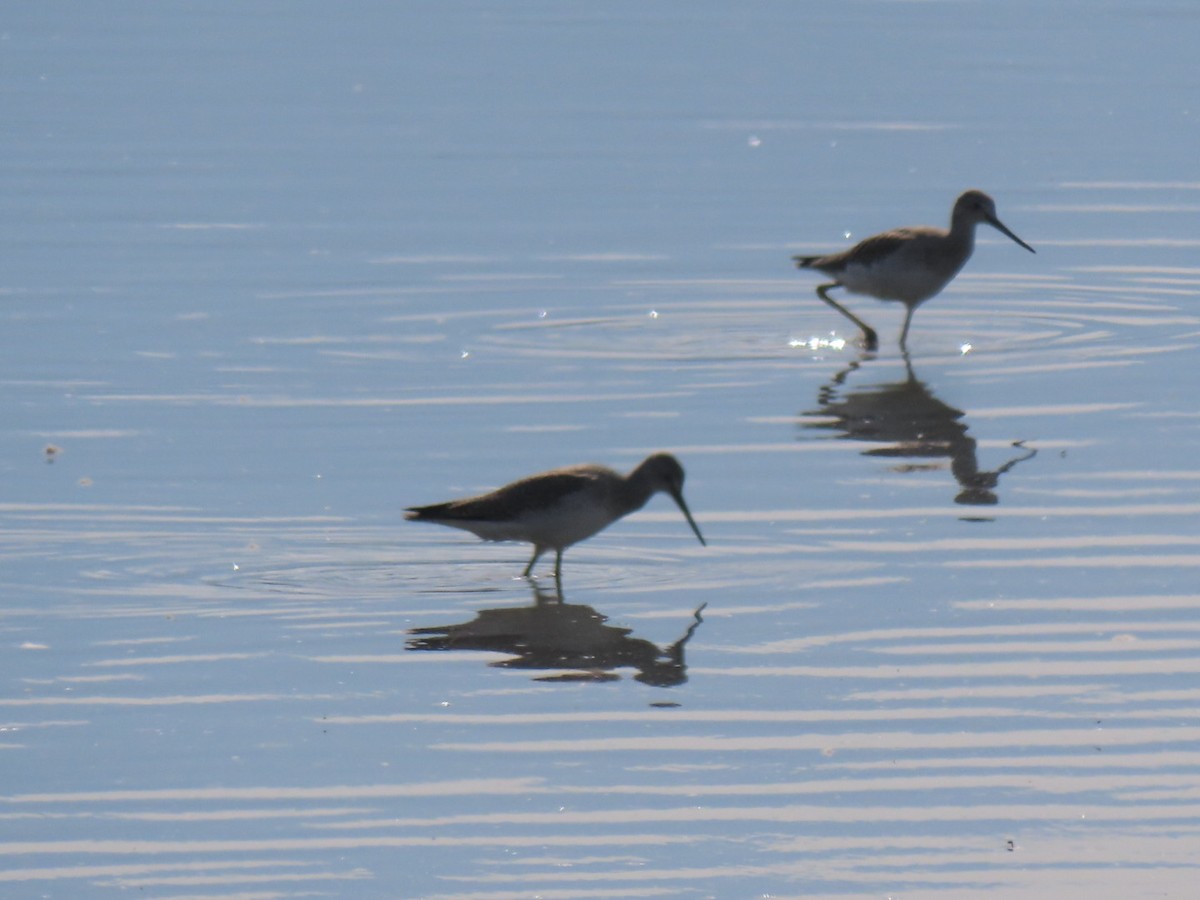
(912, 424)
(554, 634)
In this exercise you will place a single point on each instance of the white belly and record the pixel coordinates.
(558, 526)
(894, 278)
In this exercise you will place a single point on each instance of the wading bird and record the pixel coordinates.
(555, 509)
(908, 265)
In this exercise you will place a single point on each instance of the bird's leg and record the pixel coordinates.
(904, 330)
(870, 338)
(558, 568)
(537, 551)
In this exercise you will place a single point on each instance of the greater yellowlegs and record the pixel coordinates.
(555, 509)
(909, 265)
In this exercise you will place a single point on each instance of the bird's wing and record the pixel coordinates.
(870, 250)
(866, 252)
(535, 492)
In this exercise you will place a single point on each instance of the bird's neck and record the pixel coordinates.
(962, 233)
(634, 493)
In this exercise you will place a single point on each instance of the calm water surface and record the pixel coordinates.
(275, 271)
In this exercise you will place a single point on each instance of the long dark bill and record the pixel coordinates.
(1000, 226)
(678, 498)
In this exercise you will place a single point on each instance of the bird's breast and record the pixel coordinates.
(565, 523)
(912, 274)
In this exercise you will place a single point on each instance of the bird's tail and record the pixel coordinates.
(804, 262)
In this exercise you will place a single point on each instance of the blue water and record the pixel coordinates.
(273, 272)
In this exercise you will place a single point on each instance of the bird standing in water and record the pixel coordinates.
(556, 509)
(908, 265)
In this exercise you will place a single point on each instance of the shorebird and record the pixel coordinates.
(555, 509)
(907, 264)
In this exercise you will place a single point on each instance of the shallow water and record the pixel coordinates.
(275, 273)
